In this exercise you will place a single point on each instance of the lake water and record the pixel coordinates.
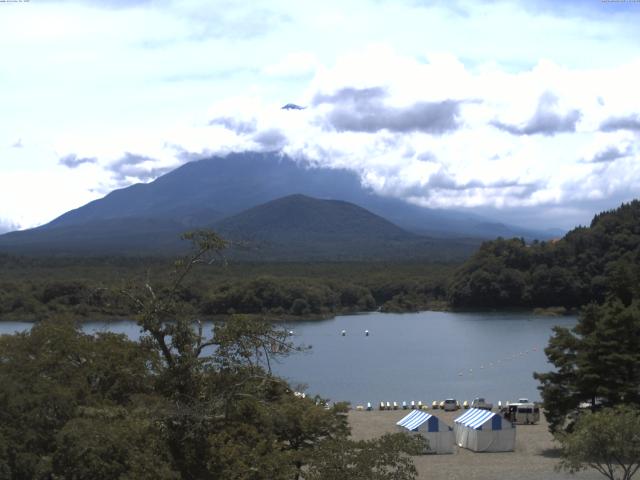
(412, 356)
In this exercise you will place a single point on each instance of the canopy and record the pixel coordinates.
(484, 431)
(438, 434)
(476, 418)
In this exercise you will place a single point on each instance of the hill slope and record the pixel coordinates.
(586, 265)
(299, 227)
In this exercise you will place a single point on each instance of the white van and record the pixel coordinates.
(523, 413)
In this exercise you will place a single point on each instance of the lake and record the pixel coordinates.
(410, 356)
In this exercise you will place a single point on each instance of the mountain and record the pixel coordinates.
(300, 227)
(148, 218)
(292, 228)
(203, 191)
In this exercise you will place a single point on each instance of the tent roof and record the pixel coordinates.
(414, 419)
(475, 418)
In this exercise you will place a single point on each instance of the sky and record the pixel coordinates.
(525, 111)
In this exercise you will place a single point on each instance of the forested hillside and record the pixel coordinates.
(586, 265)
(33, 288)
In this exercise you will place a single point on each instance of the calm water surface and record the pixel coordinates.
(412, 356)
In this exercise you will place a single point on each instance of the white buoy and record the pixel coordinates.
(366, 333)
(290, 332)
(344, 332)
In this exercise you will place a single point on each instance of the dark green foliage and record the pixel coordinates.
(180, 404)
(597, 363)
(584, 266)
(606, 441)
(48, 375)
(33, 288)
(385, 458)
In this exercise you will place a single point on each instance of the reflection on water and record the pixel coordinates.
(418, 356)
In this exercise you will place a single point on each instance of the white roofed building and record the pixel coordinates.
(438, 434)
(484, 431)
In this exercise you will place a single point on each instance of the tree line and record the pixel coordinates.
(38, 288)
(585, 266)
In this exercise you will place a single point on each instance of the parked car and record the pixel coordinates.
(480, 402)
(450, 405)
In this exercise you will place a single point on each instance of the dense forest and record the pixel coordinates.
(40, 287)
(182, 403)
(585, 266)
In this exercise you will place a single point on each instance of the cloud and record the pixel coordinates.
(132, 167)
(609, 154)
(630, 122)
(237, 125)
(73, 161)
(272, 139)
(363, 110)
(546, 120)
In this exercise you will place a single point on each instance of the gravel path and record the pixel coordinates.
(534, 458)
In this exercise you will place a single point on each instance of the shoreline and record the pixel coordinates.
(273, 318)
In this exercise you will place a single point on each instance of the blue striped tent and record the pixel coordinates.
(438, 434)
(484, 431)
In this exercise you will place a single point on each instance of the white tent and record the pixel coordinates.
(438, 434)
(484, 431)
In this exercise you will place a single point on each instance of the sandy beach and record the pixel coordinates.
(534, 458)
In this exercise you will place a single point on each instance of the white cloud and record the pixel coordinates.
(181, 80)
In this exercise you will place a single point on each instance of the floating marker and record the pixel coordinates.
(366, 333)
(344, 332)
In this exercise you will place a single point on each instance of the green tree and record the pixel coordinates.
(596, 363)
(606, 441)
(385, 458)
